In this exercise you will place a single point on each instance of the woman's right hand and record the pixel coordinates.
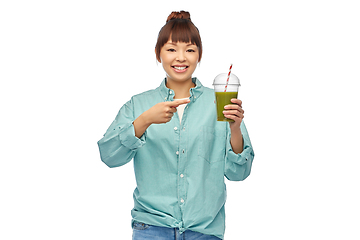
(157, 114)
(163, 111)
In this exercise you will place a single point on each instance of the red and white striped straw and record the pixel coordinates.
(227, 81)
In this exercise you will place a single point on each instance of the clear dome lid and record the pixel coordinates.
(222, 78)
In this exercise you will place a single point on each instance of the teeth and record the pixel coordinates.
(180, 68)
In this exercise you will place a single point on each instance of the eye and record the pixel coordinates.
(190, 50)
(171, 50)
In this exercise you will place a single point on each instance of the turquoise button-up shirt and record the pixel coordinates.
(179, 168)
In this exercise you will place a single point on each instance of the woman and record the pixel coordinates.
(181, 152)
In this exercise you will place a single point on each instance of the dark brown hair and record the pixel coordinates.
(179, 28)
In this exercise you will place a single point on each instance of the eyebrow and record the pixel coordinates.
(190, 44)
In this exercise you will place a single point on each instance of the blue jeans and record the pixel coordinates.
(143, 231)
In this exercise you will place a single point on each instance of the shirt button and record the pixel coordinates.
(170, 92)
(183, 151)
(177, 152)
(175, 128)
(182, 200)
(181, 175)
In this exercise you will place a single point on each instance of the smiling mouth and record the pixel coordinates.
(180, 68)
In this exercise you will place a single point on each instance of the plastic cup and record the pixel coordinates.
(223, 97)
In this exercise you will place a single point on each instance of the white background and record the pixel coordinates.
(66, 68)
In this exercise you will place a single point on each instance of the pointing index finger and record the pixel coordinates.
(176, 103)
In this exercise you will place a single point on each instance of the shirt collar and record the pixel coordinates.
(168, 94)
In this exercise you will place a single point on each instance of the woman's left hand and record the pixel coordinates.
(234, 112)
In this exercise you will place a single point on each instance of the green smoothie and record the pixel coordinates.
(223, 99)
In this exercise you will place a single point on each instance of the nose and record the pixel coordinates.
(181, 57)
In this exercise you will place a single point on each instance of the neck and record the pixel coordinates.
(181, 89)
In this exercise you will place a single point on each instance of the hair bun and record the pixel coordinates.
(179, 15)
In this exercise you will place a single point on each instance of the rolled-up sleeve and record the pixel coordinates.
(119, 144)
(238, 166)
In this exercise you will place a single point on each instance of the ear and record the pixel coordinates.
(158, 59)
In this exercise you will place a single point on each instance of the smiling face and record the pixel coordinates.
(179, 60)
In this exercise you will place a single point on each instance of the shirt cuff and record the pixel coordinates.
(128, 138)
(239, 158)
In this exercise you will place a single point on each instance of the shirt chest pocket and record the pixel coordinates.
(212, 144)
